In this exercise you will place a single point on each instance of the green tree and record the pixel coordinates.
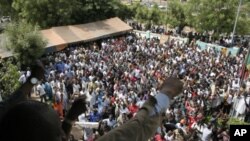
(155, 15)
(124, 11)
(216, 15)
(149, 16)
(141, 14)
(45, 13)
(98, 9)
(25, 41)
(175, 14)
(9, 76)
(244, 18)
(6, 9)
(48, 13)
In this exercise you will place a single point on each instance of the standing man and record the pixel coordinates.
(41, 92)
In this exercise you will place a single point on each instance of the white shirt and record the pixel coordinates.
(124, 110)
(198, 127)
(84, 85)
(22, 79)
(40, 90)
(181, 127)
(236, 86)
(229, 99)
(110, 123)
(121, 95)
(241, 106)
(93, 99)
(140, 103)
(76, 88)
(58, 95)
(88, 96)
(82, 118)
(169, 138)
(28, 73)
(206, 135)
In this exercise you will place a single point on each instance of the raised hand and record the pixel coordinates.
(171, 87)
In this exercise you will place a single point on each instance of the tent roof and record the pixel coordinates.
(84, 32)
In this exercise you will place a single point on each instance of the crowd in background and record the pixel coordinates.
(187, 32)
(118, 74)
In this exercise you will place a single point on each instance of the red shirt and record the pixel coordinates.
(158, 138)
(191, 121)
(133, 79)
(113, 99)
(58, 108)
(133, 108)
(187, 106)
(194, 94)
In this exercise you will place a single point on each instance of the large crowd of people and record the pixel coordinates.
(118, 74)
(222, 40)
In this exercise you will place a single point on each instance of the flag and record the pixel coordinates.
(245, 67)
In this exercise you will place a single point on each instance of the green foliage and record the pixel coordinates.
(203, 15)
(175, 14)
(9, 76)
(124, 11)
(217, 15)
(231, 121)
(6, 9)
(45, 13)
(234, 121)
(149, 16)
(48, 13)
(155, 14)
(141, 14)
(25, 41)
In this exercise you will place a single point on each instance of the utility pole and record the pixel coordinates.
(236, 20)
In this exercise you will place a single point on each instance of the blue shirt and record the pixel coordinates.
(95, 117)
(163, 102)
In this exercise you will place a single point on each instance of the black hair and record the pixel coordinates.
(30, 121)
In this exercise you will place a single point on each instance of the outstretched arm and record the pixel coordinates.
(148, 119)
(78, 107)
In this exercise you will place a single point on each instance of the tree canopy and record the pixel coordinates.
(175, 14)
(47, 13)
(6, 9)
(25, 41)
(217, 15)
(214, 15)
(9, 76)
(203, 15)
